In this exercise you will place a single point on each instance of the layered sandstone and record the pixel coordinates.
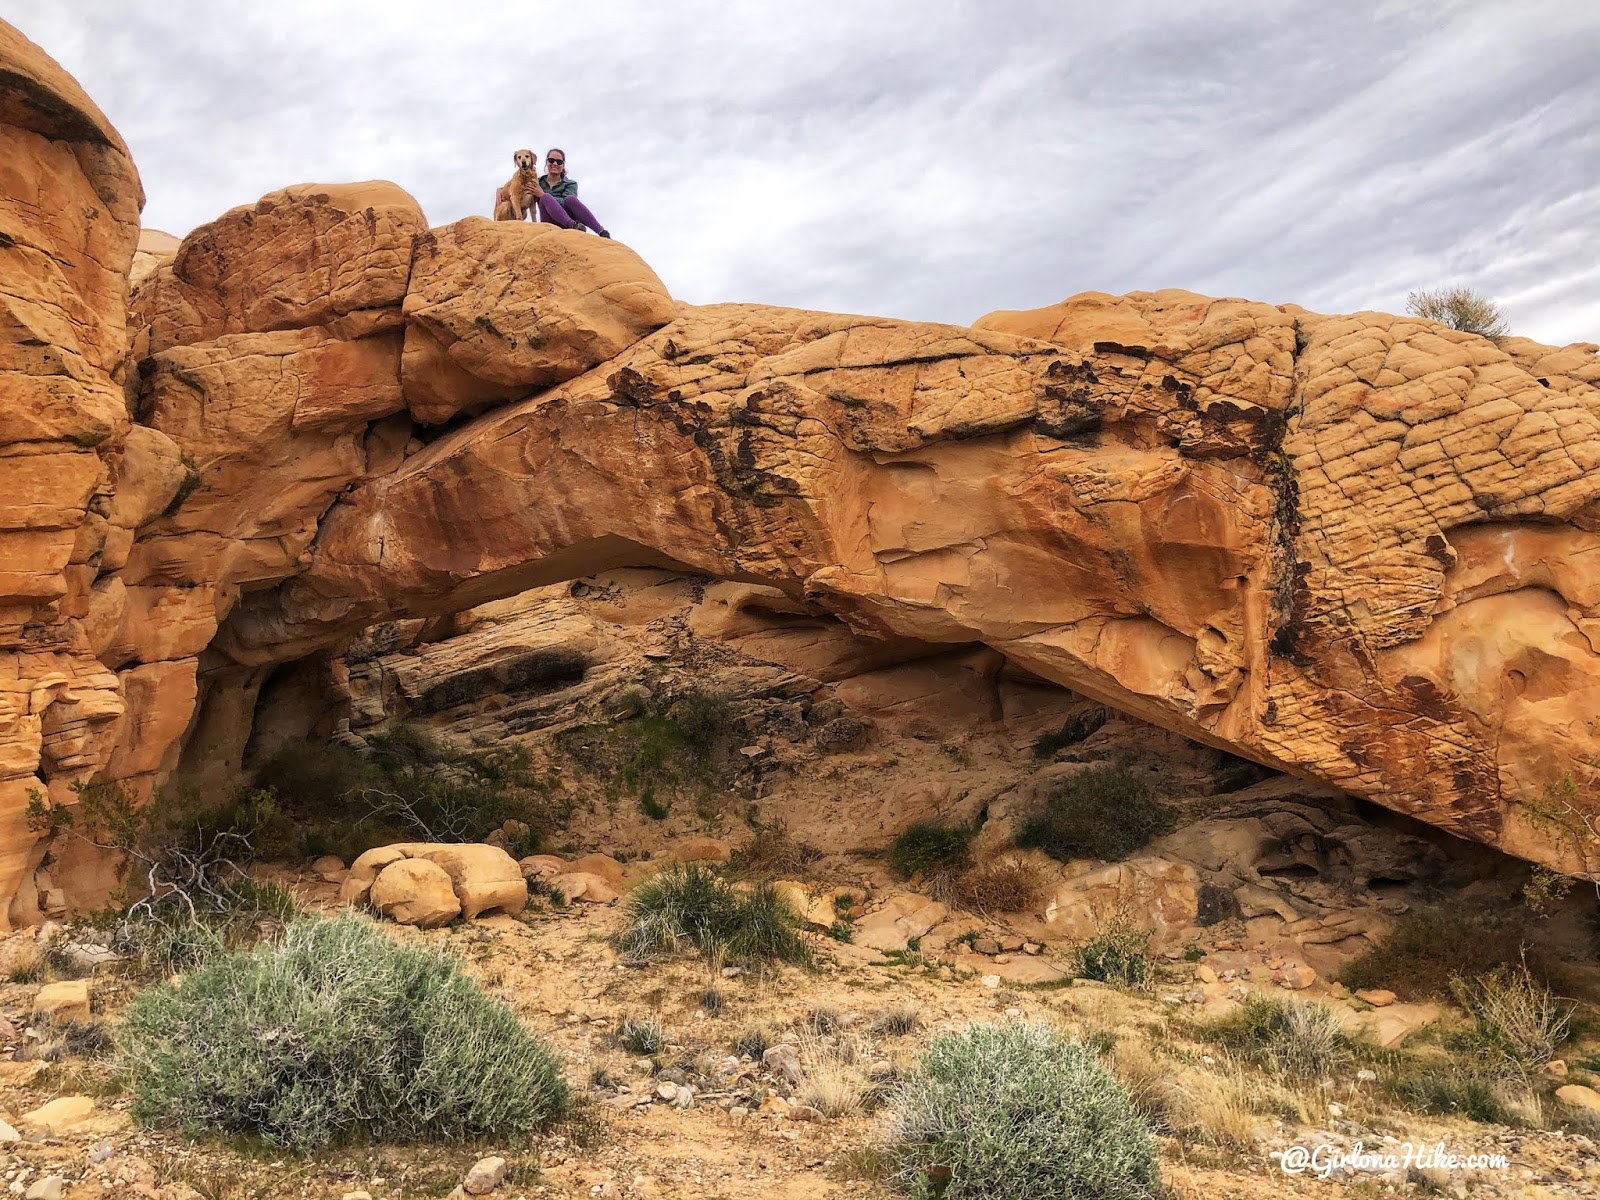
(1360, 548)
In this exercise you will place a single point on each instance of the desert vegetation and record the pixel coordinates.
(690, 907)
(1460, 308)
(1103, 811)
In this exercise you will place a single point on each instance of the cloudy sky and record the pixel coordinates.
(931, 159)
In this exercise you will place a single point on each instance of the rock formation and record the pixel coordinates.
(1359, 548)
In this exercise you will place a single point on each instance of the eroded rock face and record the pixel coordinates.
(1349, 547)
(1359, 548)
(69, 219)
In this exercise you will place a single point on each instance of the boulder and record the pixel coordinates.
(581, 885)
(1161, 894)
(542, 866)
(63, 1003)
(414, 891)
(497, 310)
(900, 918)
(486, 1175)
(1576, 1095)
(485, 877)
(602, 865)
(700, 849)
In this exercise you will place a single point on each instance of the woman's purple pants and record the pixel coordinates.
(566, 213)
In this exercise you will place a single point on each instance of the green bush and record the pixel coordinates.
(930, 849)
(410, 786)
(1115, 955)
(1011, 1110)
(1298, 1038)
(1515, 1016)
(1450, 1087)
(1104, 812)
(338, 1033)
(689, 905)
(1429, 947)
(654, 748)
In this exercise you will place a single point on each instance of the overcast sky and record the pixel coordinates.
(931, 159)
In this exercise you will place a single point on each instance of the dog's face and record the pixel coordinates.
(524, 160)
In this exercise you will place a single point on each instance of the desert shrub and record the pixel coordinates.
(411, 785)
(1459, 308)
(1104, 812)
(773, 853)
(689, 905)
(1455, 1086)
(655, 748)
(176, 931)
(337, 1033)
(930, 849)
(1008, 1110)
(1073, 730)
(642, 1037)
(1117, 954)
(1515, 1015)
(1297, 1038)
(1431, 946)
(1006, 886)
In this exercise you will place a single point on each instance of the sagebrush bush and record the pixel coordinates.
(1298, 1038)
(335, 1034)
(1104, 812)
(688, 905)
(1459, 308)
(927, 848)
(1013, 1109)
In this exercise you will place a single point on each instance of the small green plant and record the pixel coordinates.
(930, 849)
(1013, 1109)
(1297, 1038)
(842, 931)
(655, 748)
(687, 905)
(1104, 812)
(1117, 954)
(644, 1037)
(653, 808)
(335, 1034)
(1459, 308)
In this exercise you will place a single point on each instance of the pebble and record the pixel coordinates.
(486, 1175)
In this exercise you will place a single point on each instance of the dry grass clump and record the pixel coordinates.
(773, 853)
(1429, 948)
(1296, 1038)
(898, 1020)
(688, 905)
(1008, 885)
(834, 1079)
(1104, 812)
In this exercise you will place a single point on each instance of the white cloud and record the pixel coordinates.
(933, 159)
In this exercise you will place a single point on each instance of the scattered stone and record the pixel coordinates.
(330, 867)
(63, 1003)
(542, 866)
(701, 849)
(804, 1112)
(1366, 1075)
(357, 1196)
(486, 1175)
(667, 1090)
(1010, 944)
(990, 981)
(785, 1059)
(1205, 974)
(582, 885)
(840, 734)
(51, 1187)
(8, 1133)
(1295, 976)
(1377, 997)
(1002, 959)
(1032, 948)
(1556, 1067)
(986, 945)
(100, 1153)
(602, 865)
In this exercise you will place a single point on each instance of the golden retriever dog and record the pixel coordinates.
(516, 199)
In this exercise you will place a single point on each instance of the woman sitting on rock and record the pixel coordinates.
(558, 198)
